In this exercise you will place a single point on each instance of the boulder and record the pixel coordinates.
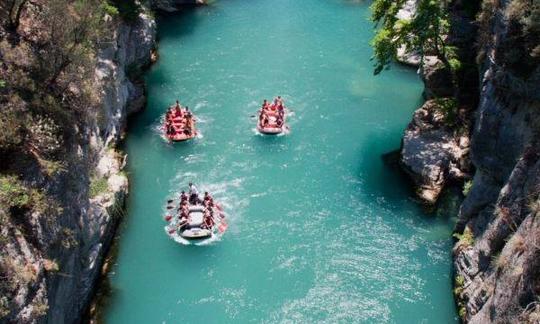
(437, 78)
(430, 153)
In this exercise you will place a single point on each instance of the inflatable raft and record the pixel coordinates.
(272, 120)
(179, 125)
(194, 228)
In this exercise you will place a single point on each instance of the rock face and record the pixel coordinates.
(497, 259)
(59, 289)
(500, 270)
(435, 146)
(437, 79)
(431, 153)
(175, 5)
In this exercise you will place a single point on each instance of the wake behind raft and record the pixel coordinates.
(179, 123)
(194, 219)
(272, 117)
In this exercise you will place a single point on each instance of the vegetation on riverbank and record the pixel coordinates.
(497, 42)
(49, 100)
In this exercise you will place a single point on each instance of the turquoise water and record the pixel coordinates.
(320, 229)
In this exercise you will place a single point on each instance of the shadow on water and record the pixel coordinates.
(381, 172)
(181, 23)
(383, 177)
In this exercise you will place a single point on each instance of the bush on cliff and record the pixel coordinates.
(425, 31)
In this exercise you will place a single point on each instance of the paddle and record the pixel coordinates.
(222, 227)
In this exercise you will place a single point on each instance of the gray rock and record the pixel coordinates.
(79, 237)
(437, 78)
(431, 153)
(502, 266)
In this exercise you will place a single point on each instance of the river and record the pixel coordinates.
(320, 228)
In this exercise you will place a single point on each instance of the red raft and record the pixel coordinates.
(272, 118)
(179, 124)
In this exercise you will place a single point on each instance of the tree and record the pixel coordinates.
(424, 32)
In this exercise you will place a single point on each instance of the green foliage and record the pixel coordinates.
(459, 283)
(12, 124)
(462, 312)
(466, 239)
(129, 10)
(423, 32)
(110, 9)
(98, 186)
(467, 187)
(13, 193)
(2, 84)
(449, 108)
(455, 64)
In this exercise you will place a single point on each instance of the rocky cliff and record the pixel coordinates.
(497, 257)
(50, 261)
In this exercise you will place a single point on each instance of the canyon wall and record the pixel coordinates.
(491, 145)
(51, 265)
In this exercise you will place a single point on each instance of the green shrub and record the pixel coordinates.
(455, 64)
(13, 193)
(110, 9)
(467, 187)
(466, 239)
(462, 311)
(448, 107)
(129, 10)
(459, 282)
(98, 186)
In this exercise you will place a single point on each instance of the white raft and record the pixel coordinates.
(193, 231)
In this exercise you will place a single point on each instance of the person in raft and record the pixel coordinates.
(183, 223)
(206, 198)
(183, 196)
(184, 214)
(279, 121)
(208, 221)
(193, 194)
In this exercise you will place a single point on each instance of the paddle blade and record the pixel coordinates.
(222, 227)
